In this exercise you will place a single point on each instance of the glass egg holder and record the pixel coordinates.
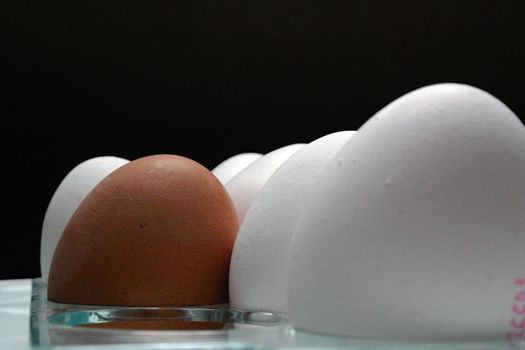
(81, 327)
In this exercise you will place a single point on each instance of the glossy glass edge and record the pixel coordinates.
(42, 310)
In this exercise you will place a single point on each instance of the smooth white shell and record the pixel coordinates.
(244, 186)
(417, 229)
(259, 265)
(66, 199)
(226, 170)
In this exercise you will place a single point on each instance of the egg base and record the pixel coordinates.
(211, 327)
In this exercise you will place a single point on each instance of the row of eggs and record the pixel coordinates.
(413, 227)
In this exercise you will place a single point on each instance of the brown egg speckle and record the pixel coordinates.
(156, 232)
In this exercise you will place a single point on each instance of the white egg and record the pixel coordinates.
(226, 170)
(416, 230)
(259, 265)
(66, 199)
(244, 186)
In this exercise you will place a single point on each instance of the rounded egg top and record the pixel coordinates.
(244, 187)
(227, 169)
(260, 258)
(416, 229)
(156, 232)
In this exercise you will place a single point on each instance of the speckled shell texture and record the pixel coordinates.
(158, 231)
(417, 227)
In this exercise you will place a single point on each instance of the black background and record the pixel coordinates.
(208, 79)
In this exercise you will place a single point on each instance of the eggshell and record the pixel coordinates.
(417, 228)
(226, 170)
(156, 232)
(66, 199)
(244, 186)
(259, 265)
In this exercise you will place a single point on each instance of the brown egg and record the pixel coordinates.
(158, 231)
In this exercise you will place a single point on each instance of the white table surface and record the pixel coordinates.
(15, 301)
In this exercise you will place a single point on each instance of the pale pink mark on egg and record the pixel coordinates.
(517, 322)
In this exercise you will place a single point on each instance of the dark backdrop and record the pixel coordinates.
(208, 79)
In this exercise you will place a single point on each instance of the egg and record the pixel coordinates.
(416, 230)
(66, 199)
(259, 265)
(158, 231)
(226, 170)
(244, 186)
